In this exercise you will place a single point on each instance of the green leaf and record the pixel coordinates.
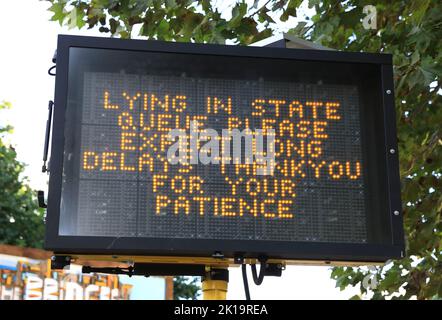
(418, 9)
(312, 3)
(290, 10)
(262, 35)
(59, 12)
(299, 30)
(264, 17)
(162, 30)
(5, 105)
(238, 12)
(415, 57)
(206, 5)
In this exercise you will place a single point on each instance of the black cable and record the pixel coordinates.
(246, 282)
(51, 69)
(259, 278)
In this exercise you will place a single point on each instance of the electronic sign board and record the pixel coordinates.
(143, 155)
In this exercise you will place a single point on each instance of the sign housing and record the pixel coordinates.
(334, 190)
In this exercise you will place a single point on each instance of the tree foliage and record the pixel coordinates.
(175, 20)
(21, 220)
(410, 30)
(186, 288)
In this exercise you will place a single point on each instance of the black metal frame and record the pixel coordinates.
(228, 248)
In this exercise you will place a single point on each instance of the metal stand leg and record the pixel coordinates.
(215, 283)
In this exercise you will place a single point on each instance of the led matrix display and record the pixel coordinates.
(127, 186)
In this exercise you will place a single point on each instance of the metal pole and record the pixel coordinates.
(169, 287)
(215, 283)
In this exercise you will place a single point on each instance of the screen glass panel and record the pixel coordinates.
(150, 144)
